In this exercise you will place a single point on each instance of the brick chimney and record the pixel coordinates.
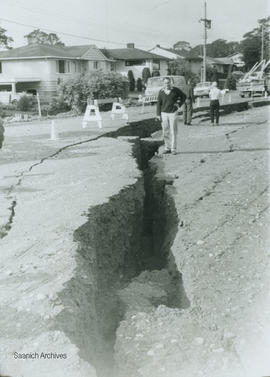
(130, 45)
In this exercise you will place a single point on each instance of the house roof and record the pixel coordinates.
(180, 53)
(171, 54)
(87, 52)
(131, 54)
(223, 61)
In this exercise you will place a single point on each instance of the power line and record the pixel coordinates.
(64, 33)
(42, 11)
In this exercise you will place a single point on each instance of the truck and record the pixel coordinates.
(256, 81)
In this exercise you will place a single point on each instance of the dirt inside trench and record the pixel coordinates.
(124, 262)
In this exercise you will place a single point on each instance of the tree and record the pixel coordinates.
(251, 44)
(95, 85)
(40, 37)
(218, 48)
(145, 75)
(139, 84)
(4, 39)
(177, 67)
(182, 45)
(131, 81)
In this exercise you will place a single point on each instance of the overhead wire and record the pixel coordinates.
(62, 32)
(35, 9)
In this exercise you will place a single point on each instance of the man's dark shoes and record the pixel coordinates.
(166, 151)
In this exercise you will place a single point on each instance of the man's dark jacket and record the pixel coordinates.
(169, 103)
(190, 93)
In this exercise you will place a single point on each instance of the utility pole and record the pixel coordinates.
(262, 48)
(205, 41)
(207, 25)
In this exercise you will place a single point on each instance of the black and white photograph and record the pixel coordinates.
(134, 188)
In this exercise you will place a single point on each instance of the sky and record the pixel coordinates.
(113, 23)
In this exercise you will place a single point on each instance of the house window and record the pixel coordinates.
(129, 63)
(95, 65)
(156, 64)
(61, 66)
(112, 66)
(0, 67)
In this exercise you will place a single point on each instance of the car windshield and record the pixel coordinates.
(158, 81)
(155, 81)
(203, 84)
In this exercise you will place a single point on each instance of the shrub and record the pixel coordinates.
(95, 85)
(146, 74)
(131, 81)
(57, 105)
(25, 103)
(195, 79)
(230, 82)
(7, 110)
(139, 84)
(2, 131)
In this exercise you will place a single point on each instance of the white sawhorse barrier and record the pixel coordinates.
(119, 109)
(92, 114)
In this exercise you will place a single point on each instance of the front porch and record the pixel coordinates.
(11, 89)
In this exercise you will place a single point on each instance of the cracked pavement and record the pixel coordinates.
(221, 248)
(222, 245)
(221, 196)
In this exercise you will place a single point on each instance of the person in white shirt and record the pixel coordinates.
(214, 95)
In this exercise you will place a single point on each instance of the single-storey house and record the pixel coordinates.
(167, 53)
(237, 59)
(134, 59)
(195, 64)
(41, 68)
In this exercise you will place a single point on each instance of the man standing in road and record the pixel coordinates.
(170, 99)
(214, 95)
(188, 105)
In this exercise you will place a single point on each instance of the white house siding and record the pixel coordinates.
(163, 68)
(42, 69)
(99, 65)
(25, 68)
(46, 70)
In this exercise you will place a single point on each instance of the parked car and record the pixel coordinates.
(154, 84)
(202, 89)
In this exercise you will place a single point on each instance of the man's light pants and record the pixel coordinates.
(169, 128)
